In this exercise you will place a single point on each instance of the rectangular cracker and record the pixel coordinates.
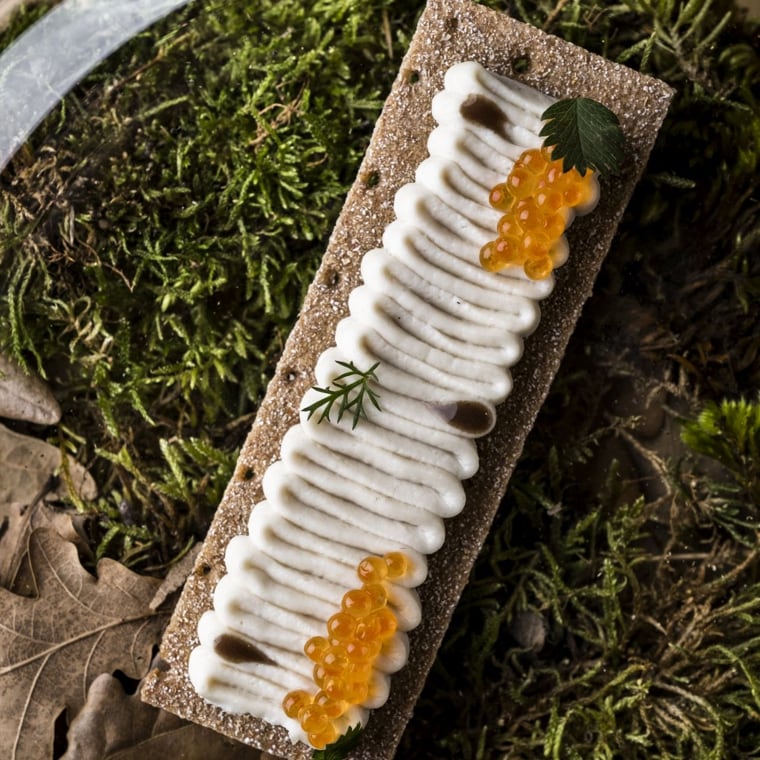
(449, 31)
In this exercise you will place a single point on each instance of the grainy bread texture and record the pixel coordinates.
(449, 31)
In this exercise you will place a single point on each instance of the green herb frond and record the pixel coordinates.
(350, 396)
(585, 134)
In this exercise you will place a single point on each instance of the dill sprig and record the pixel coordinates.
(351, 395)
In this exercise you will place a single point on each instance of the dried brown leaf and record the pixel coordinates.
(28, 463)
(19, 520)
(190, 742)
(28, 466)
(54, 645)
(110, 720)
(113, 725)
(24, 396)
(176, 577)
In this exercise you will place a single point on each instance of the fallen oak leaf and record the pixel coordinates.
(108, 721)
(20, 520)
(24, 395)
(28, 464)
(53, 646)
(113, 725)
(190, 742)
(29, 468)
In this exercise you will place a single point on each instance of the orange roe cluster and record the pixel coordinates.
(344, 658)
(535, 199)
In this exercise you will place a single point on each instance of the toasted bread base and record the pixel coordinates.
(449, 31)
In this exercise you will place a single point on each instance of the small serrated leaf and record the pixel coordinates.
(584, 134)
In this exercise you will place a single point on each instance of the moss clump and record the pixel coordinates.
(160, 230)
(596, 627)
(17, 21)
(613, 612)
(166, 220)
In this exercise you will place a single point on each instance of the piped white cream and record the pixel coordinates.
(445, 333)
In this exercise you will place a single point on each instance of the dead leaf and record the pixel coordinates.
(20, 520)
(110, 720)
(54, 645)
(176, 577)
(188, 742)
(25, 396)
(28, 468)
(27, 465)
(113, 725)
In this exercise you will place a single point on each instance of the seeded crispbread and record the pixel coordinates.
(449, 31)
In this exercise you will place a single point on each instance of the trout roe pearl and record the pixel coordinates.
(537, 198)
(344, 659)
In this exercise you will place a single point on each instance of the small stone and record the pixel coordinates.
(528, 629)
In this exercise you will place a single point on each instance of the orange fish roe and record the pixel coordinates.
(344, 658)
(535, 198)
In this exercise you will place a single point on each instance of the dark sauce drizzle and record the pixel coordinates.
(235, 649)
(482, 110)
(472, 417)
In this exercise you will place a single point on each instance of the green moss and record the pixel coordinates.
(160, 230)
(599, 628)
(613, 612)
(157, 236)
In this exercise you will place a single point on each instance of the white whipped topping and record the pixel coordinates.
(444, 331)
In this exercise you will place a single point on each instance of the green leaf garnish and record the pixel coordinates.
(351, 395)
(584, 134)
(341, 746)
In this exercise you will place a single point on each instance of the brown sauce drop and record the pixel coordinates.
(235, 649)
(472, 417)
(482, 110)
